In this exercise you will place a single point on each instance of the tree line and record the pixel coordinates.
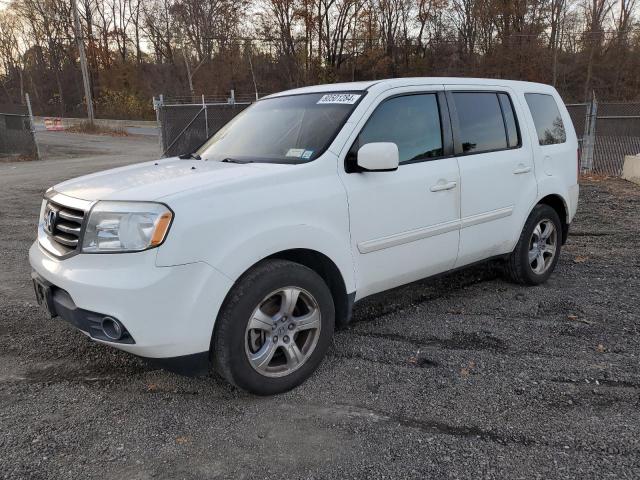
(140, 48)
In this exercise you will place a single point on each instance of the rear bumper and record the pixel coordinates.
(169, 312)
(574, 193)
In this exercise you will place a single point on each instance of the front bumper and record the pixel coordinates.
(168, 311)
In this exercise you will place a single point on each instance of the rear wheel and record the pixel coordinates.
(538, 249)
(274, 328)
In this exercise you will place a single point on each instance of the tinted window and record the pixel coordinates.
(510, 123)
(412, 122)
(480, 119)
(546, 118)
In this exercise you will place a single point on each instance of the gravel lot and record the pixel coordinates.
(465, 376)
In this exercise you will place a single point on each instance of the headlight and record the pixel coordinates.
(126, 227)
(41, 217)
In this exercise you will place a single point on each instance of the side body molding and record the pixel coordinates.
(420, 233)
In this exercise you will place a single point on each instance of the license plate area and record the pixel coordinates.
(44, 295)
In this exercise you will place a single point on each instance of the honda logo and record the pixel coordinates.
(50, 220)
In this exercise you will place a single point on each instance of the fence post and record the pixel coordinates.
(589, 139)
(32, 125)
(206, 117)
(157, 105)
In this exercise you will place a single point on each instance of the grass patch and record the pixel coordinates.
(8, 158)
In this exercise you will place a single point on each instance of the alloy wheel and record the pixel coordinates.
(282, 332)
(542, 246)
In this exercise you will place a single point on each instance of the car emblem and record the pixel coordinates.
(50, 220)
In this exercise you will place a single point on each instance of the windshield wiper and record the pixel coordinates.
(235, 160)
(186, 156)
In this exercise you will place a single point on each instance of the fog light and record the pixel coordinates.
(112, 328)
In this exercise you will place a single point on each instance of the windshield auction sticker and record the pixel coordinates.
(295, 152)
(341, 98)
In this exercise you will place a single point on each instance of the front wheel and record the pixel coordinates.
(274, 328)
(538, 249)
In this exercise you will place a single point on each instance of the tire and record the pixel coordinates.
(262, 298)
(519, 268)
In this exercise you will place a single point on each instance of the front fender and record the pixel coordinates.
(237, 259)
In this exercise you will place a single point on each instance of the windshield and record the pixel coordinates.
(291, 129)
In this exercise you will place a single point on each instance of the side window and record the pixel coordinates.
(513, 134)
(482, 127)
(546, 118)
(412, 122)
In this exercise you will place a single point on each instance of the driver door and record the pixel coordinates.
(405, 224)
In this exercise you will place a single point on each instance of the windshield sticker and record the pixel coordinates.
(295, 152)
(341, 98)
(307, 154)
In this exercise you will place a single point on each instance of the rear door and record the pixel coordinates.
(496, 169)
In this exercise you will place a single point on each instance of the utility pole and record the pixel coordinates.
(83, 63)
(32, 125)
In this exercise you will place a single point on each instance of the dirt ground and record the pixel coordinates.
(466, 376)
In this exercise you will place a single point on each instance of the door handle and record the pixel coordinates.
(439, 187)
(522, 169)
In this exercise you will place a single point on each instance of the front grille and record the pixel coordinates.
(63, 225)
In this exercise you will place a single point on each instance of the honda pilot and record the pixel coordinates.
(244, 256)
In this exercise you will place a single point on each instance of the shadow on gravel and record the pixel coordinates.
(432, 426)
(458, 341)
(371, 308)
(60, 373)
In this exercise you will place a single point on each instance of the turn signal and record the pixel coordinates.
(162, 227)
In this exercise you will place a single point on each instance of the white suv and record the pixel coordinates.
(246, 254)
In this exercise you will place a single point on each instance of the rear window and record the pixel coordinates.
(482, 128)
(546, 118)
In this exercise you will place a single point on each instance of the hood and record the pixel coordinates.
(161, 178)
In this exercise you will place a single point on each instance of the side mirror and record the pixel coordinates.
(379, 157)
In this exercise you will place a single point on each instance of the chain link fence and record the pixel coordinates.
(185, 123)
(17, 135)
(607, 131)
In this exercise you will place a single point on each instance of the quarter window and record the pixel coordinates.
(412, 122)
(546, 118)
(482, 128)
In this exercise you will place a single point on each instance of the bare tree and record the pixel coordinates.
(279, 17)
(464, 19)
(159, 25)
(11, 52)
(135, 19)
(596, 12)
(50, 24)
(184, 46)
(336, 21)
(121, 19)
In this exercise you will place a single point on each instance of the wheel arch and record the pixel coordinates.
(320, 263)
(559, 204)
(329, 272)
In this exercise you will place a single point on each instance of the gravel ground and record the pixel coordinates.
(465, 376)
